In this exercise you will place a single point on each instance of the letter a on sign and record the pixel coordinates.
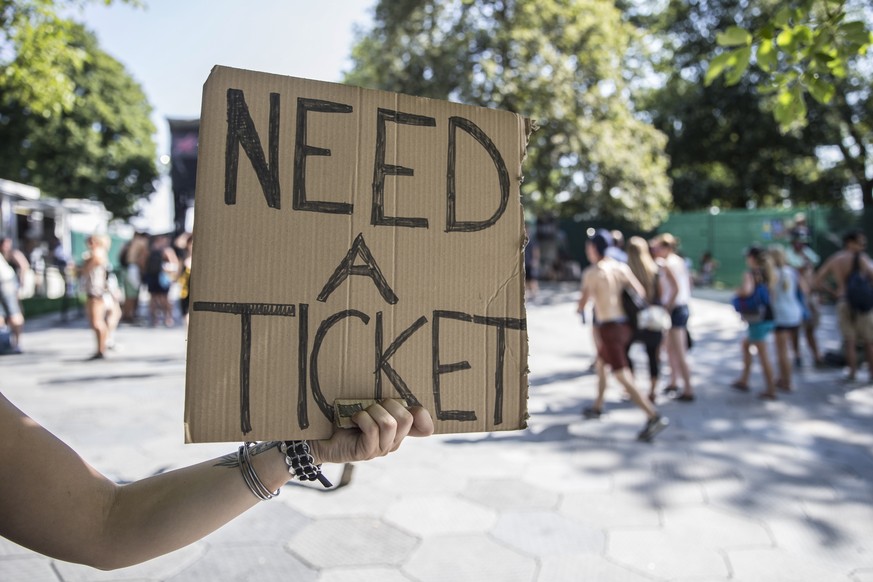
(368, 269)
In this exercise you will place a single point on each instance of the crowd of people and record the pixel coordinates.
(157, 265)
(778, 298)
(654, 272)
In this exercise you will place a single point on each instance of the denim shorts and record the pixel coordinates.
(679, 316)
(759, 331)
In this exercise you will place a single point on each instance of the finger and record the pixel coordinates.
(367, 446)
(422, 423)
(403, 418)
(387, 427)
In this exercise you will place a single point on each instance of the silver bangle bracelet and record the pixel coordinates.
(250, 476)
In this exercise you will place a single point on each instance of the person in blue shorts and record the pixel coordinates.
(760, 270)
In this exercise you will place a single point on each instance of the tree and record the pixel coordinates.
(806, 48)
(810, 54)
(99, 146)
(726, 146)
(37, 55)
(561, 63)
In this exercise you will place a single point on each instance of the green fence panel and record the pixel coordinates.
(728, 233)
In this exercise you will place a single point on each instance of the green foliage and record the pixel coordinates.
(563, 63)
(37, 54)
(726, 147)
(99, 146)
(806, 48)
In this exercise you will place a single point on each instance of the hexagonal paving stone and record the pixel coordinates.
(247, 564)
(662, 555)
(777, 564)
(33, 569)
(468, 559)
(715, 528)
(161, 568)
(359, 499)
(275, 522)
(440, 514)
(351, 542)
(542, 533)
(614, 509)
(504, 494)
(585, 567)
(364, 574)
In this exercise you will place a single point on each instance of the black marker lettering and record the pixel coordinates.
(439, 368)
(325, 326)
(452, 222)
(381, 169)
(241, 131)
(302, 359)
(302, 150)
(348, 267)
(245, 311)
(382, 358)
(502, 324)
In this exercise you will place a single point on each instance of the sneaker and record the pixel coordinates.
(591, 413)
(653, 427)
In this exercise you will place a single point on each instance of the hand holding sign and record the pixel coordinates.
(380, 429)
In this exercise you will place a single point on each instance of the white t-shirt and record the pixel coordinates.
(679, 268)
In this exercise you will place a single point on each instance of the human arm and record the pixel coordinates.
(669, 300)
(585, 295)
(53, 502)
(747, 285)
(21, 261)
(822, 276)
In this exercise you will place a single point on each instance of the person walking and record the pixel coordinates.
(675, 294)
(759, 271)
(644, 268)
(805, 260)
(12, 315)
(101, 307)
(602, 284)
(787, 313)
(855, 324)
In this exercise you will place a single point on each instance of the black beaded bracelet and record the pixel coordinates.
(300, 462)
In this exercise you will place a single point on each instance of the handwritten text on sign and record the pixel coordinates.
(259, 157)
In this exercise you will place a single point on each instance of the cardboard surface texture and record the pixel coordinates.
(353, 244)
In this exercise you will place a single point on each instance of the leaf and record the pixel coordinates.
(821, 90)
(766, 56)
(785, 40)
(734, 36)
(790, 108)
(716, 67)
(855, 33)
(782, 17)
(739, 65)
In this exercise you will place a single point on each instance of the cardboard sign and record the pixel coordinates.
(353, 244)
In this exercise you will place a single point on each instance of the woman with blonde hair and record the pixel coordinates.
(644, 268)
(101, 306)
(787, 312)
(760, 271)
(675, 294)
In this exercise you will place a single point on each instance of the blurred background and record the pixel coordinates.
(724, 122)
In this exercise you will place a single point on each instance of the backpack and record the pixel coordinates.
(756, 307)
(859, 291)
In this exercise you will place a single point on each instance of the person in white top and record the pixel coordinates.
(675, 295)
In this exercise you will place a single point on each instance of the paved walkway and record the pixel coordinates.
(736, 489)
